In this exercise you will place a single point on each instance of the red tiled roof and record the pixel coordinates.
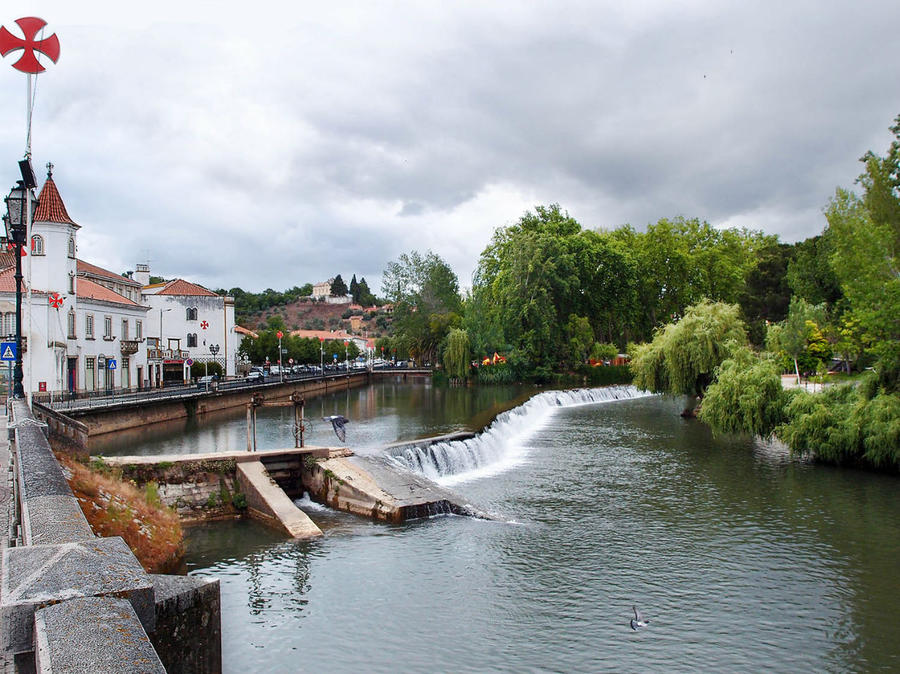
(182, 287)
(89, 290)
(92, 269)
(327, 335)
(50, 205)
(8, 283)
(7, 260)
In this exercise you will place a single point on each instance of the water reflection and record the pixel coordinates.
(742, 558)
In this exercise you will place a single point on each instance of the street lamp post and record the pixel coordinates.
(347, 356)
(280, 334)
(213, 349)
(322, 356)
(20, 206)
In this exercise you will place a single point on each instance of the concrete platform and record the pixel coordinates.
(268, 502)
(376, 487)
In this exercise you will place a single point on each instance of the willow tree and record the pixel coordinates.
(457, 355)
(746, 397)
(683, 356)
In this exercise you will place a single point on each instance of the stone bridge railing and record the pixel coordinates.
(72, 601)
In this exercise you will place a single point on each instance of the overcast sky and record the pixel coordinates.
(268, 144)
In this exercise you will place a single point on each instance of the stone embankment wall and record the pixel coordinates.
(146, 412)
(71, 600)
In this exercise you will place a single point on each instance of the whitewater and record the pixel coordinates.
(504, 443)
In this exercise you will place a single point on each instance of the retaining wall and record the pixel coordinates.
(62, 562)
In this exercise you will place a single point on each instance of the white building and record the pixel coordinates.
(189, 319)
(91, 329)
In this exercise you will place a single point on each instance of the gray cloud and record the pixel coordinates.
(237, 155)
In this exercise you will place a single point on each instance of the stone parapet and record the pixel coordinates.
(72, 602)
(92, 634)
(35, 576)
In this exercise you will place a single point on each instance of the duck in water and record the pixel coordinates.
(638, 620)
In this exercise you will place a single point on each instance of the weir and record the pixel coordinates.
(269, 480)
(449, 458)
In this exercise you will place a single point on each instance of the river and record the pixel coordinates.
(741, 558)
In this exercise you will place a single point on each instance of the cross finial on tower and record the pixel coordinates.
(49, 169)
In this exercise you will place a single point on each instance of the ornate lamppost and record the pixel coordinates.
(20, 207)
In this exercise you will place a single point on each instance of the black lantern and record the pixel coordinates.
(17, 219)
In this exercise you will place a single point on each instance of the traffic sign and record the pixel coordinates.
(7, 350)
(189, 362)
(110, 363)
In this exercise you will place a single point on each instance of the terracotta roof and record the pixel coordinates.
(324, 334)
(50, 205)
(89, 290)
(94, 270)
(8, 284)
(7, 260)
(244, 331)
(182, 287)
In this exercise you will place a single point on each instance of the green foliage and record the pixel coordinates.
(199, 369)
(457, 355)
(746, 397)
(607, 375)
(338, 287)
(581, 338)
(603, 352)
(682, 357)
(427, 305)
(797, 338)
(766, 295)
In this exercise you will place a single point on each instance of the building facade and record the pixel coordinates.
(89, 329)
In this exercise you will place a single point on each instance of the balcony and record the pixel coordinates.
(129, 346)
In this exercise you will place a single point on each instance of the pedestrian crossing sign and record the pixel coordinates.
(7, 350)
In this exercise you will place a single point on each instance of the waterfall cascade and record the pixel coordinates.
(501, 445)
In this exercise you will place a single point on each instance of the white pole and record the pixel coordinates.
(31, 345)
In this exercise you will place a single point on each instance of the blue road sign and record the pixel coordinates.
(110, 363)
(7, 350)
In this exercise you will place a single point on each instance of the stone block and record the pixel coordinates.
(41, 575)
(188, 635)
(93, 634)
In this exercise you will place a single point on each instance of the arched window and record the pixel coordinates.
(192, 340)
(37, 245)
(71, 246)
(71, 324)
(192, 313)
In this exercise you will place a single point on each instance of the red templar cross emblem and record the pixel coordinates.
(56, 301)
(204, 324)
(30, 26)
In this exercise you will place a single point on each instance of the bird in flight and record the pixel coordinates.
(337, 423)
(638, 620)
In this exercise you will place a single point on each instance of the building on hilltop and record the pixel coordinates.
(89, 329)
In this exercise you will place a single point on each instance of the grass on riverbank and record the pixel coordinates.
(116, 508)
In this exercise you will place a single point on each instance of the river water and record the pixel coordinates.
(741, 558)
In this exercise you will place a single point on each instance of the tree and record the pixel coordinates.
(581, 338)
(457, 356)
(791, 337)
(425, 293)
(746, 396)
(338, 287)
(683, 356)
(354, 289)
(604, 352)
(767, 295)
